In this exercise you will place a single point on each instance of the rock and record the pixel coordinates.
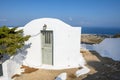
(62, 76)
(82, 71)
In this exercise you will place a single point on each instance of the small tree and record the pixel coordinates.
(11, 40)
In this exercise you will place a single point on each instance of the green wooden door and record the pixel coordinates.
(47, 49)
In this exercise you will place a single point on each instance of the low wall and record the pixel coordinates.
(10, 68)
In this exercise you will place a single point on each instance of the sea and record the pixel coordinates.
(101, 30)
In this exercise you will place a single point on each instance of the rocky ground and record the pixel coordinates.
(101, 68)
(44, 74)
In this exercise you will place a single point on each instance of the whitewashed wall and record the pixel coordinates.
(66, 43)
(10, 68)
(87, 46)
(5, 72)
(110, 47)
(11, 65)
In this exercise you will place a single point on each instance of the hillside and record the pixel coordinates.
(92, 38)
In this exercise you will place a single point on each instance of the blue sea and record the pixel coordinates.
(101, 30)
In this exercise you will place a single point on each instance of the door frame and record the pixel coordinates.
(52, 43)
(1, 67)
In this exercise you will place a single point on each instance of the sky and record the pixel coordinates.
(85, 13)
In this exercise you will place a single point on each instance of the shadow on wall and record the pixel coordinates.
(21, 54)
(19, 57)
(107, 69)
(1, 73)
(11, 65)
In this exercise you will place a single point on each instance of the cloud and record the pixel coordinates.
(2, 20)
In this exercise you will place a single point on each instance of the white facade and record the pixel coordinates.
(66, 43)
(110, 47)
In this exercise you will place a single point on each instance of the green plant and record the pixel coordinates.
(11, 39)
